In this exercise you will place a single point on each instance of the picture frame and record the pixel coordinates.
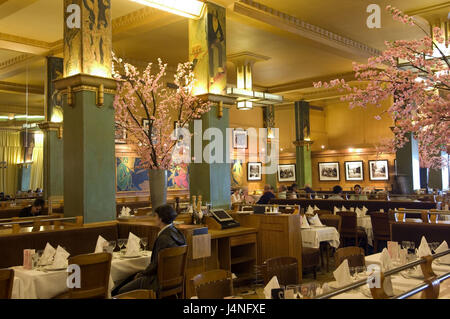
(145, 124)
(354, 170)
(379, 170)
(254, 171)
(240, 139)
(329, 171)
(286, 173)
(120, 135)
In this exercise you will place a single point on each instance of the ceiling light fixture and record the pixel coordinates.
(192, 9)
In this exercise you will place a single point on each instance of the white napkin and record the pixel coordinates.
(47, 255)
(364, 210)
(272, 284)
(315, 220)
(133, 245)
(335, 210)
(424, 249)
(386, 264)
(304, 223)
(125, 211)
(359, 212)
(100, 243)
(310, 210)
(443, 247)
(343, 208)
(342, 274)
(61, 257)
(393, 249)
(316, 208)
(352, 209)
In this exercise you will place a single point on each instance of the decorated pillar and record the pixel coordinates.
(207, 51)
(439, 178)
(408, 166)
(88, 94)
(303, 143)
(269, 124)
(53, 133)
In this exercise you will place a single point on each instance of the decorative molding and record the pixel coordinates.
(20, 88)
(86, 81)
(430, 9)
(286, 22)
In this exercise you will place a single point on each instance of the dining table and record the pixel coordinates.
(365, 222)
(313, 236)
(41, 283)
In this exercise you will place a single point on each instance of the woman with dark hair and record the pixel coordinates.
(168, 237)
(337, 192)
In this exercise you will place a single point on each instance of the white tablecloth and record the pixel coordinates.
(35, 284)
(401, 284)
(312, 237)
(366, 223)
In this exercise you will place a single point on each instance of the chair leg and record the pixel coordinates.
(315, 272)
(328, 257)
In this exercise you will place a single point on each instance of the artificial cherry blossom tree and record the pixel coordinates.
(144, 96)
(418, 79)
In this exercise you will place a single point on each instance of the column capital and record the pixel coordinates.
(50, 126)
(86, 82)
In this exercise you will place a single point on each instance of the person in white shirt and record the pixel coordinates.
(236, 196)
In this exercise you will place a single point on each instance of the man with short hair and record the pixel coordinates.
(168, 237)
(33, 210)
(267, 196)
(337, 192)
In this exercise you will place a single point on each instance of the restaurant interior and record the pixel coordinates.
(224, 149)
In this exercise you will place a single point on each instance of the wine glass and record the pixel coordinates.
(291, 292)
(144, 242)
(112, 244)
(405, 245)
(361, 270)
(352, 272)
(121, 243)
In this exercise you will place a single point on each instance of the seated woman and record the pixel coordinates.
(236, 196)
(337, 192)
(282, 192)
(246, 198)
(358, 196)
(168, 237)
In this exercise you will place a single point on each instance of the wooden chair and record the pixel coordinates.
(321, 212)
(381, 228)
(94, 275)
(285, 268)
(214, 284)
(6, 283)
(331, 221)
(137, 294)
(354, 255)
(349, 229)
(172, 271)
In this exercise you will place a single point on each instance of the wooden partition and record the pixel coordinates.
(278, 235)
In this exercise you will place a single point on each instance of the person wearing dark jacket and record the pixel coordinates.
(168, 237)
(33, 210)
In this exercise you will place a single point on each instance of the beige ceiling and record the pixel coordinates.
(292, 57)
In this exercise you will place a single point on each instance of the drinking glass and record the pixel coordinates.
(405, 244)
(352, 271)
(299, 292)
(121, 243)
(290, 292)
(112, 243)
(144, 242)
(361, 271)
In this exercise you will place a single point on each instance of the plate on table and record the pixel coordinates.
(134, 256)
(51, 268)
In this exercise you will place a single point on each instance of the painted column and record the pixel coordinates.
(52, 128)
(207, 51)
(439, 178)
(408, 166)
(88, 94)
(303, 142)
(269, 123)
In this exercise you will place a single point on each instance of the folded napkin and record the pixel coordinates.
(359, 212)
(343, 208)
(386, 264)
(133, 245)
(310, 210)
(61, 257)
(424, 249)
(100, 244)
(342, 274)
(402, 255)
(364, 210)
(125, 211)
(393, 249)
(316, 208)
(352, 209)
(304, 222)
(47, 255)
(335, 210)
(443, 247)
(272, 284)
(315, 220)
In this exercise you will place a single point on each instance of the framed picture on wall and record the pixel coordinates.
(329, 171)
(286, 173)
(240, 139)
(354, 171)
(254, 171)
(120, 135)
(379, 170)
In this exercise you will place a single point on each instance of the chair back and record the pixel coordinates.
(6, 283)
(332, 221)
(285, 268)
(214, 284)
(171, 271)
(137, 294)
(354, 255)
(94, 271)
(348, 225)
(380, 226)
(321, 212)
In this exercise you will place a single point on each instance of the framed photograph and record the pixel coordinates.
(145, 124)
(379, 170)
(329, 171)
(254, 171)
(120, 135)
(240, 139)
(286, 173)
(354, 171)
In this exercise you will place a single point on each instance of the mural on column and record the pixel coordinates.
(54, 107)
(88, 50)
(237, 173)
(207, 50)
(178, 177)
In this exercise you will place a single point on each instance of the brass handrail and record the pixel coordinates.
(422, 287)
(43, 220)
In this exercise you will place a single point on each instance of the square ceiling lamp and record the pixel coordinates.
(192, 9)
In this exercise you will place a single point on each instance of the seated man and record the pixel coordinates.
(267, 196)
(33, 210)
(337, 192)
(282, 192)
(358, 196)
(168, 237)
